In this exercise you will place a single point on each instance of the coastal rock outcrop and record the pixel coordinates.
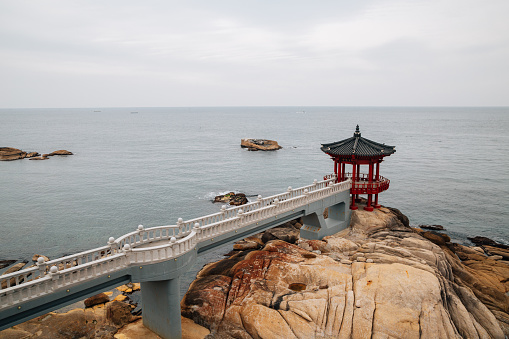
(259, 145)
(379, 278)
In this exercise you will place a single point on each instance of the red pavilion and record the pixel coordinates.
(357, 151)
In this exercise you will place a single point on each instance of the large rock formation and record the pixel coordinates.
(378, 278)
(259, 145)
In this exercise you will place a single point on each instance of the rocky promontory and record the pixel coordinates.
(259, 145)
(379, 278)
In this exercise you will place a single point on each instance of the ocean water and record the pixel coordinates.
(154, 166)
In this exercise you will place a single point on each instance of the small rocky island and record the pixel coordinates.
(259, 145)
(9, 154)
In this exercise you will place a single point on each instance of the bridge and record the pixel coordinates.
(157, 256)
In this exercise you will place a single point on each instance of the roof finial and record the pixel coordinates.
(357, 132)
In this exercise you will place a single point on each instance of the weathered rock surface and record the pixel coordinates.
(259, 145)
(378, 278)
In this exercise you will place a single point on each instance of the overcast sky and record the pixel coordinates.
(254, 53)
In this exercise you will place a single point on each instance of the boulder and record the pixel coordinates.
(97, 299)
(259, 144)
(39, 158)
(32, 154)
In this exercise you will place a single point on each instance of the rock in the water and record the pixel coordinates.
(60, 152)
(260, 145)
(97, 299)
(232, 198)
(9, 153)
(39, 158)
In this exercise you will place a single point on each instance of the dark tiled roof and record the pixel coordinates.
(358, 146)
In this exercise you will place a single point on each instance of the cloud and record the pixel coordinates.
(253, 53)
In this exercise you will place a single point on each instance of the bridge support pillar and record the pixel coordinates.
(161, 307)
(315, 226)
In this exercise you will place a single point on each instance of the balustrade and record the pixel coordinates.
(169, 242)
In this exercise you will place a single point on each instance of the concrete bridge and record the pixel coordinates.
(157, 256)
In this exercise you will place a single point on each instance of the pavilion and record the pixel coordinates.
(357, 151)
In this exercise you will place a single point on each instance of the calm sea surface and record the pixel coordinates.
(154, 166)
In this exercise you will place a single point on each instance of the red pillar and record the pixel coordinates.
(336, 167)
(377, 177)
(354, 179)
(340, 173)
(370, 183)
(358, 177)
(343, 172)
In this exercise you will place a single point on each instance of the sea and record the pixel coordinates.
(150, 166)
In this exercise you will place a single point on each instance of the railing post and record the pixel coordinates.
(197, 230)
(41, 265)
(140, 233)
(179, 225)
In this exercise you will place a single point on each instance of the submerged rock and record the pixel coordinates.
(259, 145)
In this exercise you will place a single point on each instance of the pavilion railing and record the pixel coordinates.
(365, 186)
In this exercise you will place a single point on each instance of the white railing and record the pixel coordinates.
(134, 248)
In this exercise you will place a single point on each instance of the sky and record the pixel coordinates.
(123, 53)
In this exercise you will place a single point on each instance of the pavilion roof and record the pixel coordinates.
(358, 146)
